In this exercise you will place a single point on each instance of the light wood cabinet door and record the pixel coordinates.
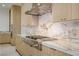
(22, 47)
(18, 44)
(47, 51)
(16, 18)
(15, 21)
(35, 52)
(75, 10)
(65, 11)
(5, 37)
(26, 50)
(61, 11)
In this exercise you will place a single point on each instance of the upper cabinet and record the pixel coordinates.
(15, 22)
(61, 11)
(16, 18)
(65, 11)
(75, 10)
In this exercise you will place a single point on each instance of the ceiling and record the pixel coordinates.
(8, 5)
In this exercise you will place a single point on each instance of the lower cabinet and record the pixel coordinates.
(35, 52)
(23, 48)
(5, 37)
(12, 40)
(47, 51)
(26, 50)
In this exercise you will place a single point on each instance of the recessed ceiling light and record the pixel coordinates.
(3, 5)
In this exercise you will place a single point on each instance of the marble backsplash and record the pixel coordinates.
(65, 29)
(28, 30)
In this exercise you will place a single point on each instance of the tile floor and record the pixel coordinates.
(8, 50)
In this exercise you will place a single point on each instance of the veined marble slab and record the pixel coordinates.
(62, 47)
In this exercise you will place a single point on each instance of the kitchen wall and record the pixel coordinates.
(4, 19)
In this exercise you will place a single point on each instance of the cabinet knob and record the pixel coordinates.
(64, 18)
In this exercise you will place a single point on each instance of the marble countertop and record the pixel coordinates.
(65, 47)
(61, 45)
(22, 35)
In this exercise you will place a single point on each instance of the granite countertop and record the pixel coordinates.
(61, 45)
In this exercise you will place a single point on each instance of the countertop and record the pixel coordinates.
(71, 49)
(62, 45)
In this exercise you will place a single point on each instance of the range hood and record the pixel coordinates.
(40, 9)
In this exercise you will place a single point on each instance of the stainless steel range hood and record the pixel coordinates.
(38, 10)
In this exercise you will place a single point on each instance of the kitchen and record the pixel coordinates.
(42, 29)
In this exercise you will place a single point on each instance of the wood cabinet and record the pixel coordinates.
(35, 52)
(75, 10)
(23, 48)
(15, 21)
(65, 11)
(60, 11)
(47, 51)
(5, 37)
(26, 50)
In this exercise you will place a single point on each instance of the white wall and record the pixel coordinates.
(4, 19)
